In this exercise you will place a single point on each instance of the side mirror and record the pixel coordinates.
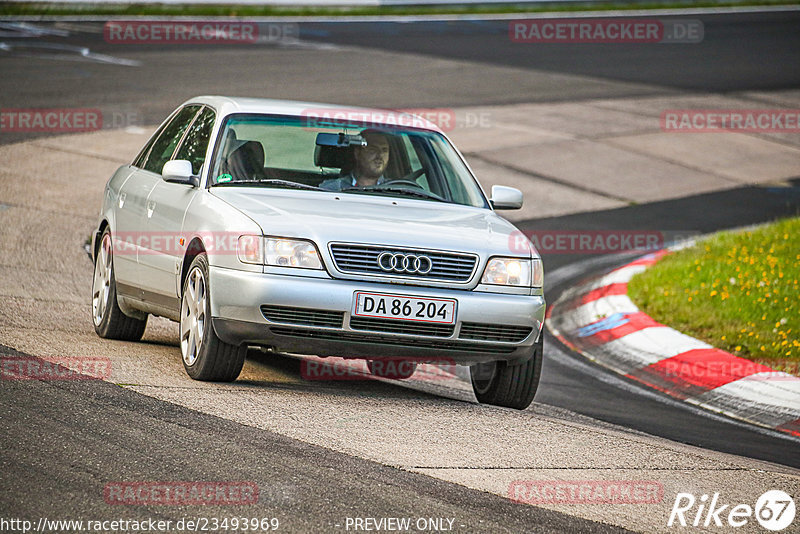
(179, 171)
(506, 198)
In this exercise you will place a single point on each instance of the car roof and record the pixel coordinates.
(226, 105)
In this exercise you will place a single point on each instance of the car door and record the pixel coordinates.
(132, 202)
(124, 246)
(129, 208)
(166, 207)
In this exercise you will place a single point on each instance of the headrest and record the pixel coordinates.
(246, 162)
(248, 150)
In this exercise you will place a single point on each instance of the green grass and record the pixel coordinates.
(220, 10)
(738, 291)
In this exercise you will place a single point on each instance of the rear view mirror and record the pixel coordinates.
(340, 140)
(506, 198)
(179, 171)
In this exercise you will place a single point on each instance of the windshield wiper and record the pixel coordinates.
(393, 189)
(271, 183)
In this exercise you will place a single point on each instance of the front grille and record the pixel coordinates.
(363, 259)
(396, 341)
(304, 316)
(494, 332)
(402, 327)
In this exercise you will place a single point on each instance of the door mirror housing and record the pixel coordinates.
(506, 198)
(179, 171)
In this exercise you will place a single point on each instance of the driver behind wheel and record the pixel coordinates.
(370, 163)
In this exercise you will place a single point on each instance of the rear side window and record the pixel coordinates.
(195, 144)
(142, 157)
(164, 146)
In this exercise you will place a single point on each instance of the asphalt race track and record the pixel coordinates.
(63, 440)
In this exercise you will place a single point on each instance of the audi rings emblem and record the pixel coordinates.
(405, 263)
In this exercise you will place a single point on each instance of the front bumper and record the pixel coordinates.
(481, 331)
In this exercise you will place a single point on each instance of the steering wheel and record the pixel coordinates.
(408, 179)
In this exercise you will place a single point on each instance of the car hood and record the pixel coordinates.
(354, 218)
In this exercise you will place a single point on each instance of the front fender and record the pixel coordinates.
(217, 225)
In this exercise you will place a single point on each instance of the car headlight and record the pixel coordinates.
(281, 252)
(515, 272)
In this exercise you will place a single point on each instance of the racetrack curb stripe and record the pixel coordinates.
(696, 371)
(598, 320)
(605, 291)
(615, 327)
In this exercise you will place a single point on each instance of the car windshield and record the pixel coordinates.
(292, 152)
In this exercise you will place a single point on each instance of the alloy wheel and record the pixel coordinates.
(193, 316)
(101, 283)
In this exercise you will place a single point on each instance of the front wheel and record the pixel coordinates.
(109, 320)
(512, 386)
(205, 356)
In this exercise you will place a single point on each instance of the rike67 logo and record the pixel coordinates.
(774, 510)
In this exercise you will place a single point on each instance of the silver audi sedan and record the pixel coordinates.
(318, 229)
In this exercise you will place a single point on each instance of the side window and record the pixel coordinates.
(164, 146)
(139, 161)
(142, 157)
(195, 144)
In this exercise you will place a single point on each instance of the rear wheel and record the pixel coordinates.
(109, 320)
(205, 356)
(396, 369)
(512, 386)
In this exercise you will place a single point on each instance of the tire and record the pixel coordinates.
(205, 356)
(397, 369)
(512, 386)
(109, 320)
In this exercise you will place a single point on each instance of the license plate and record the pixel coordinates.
(385, 306)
